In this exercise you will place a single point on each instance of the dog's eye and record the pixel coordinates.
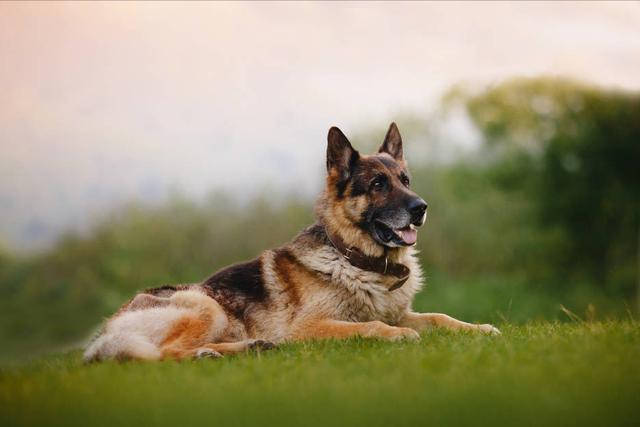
(405, 180)
(379, 183)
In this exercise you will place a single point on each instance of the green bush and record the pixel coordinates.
(573, 151)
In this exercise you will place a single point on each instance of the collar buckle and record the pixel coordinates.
(368, 263)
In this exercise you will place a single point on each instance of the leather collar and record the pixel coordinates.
(380, 265)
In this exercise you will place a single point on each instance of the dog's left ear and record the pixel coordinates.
(392, 144)
(341, 156)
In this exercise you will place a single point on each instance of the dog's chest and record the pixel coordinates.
(369, 301)
(360, 296)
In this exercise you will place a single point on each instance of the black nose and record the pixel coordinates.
(417, 207)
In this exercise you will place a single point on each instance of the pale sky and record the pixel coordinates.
(107, 102)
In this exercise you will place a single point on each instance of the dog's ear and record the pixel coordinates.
(392, 144)
(341, 157)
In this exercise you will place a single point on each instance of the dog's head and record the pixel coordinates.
(372, 194)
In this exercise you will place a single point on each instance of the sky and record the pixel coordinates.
(103, 103)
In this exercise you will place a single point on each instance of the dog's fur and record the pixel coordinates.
(304, 289)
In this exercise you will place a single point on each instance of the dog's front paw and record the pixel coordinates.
(403, 334)
(489, 329)
(207, 353)
(260, 345)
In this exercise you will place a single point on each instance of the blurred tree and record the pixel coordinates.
(575, 151)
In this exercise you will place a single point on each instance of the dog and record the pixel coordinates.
(352, 273)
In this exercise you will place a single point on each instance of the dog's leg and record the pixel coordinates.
(328, 328)
(421, 321)
(239, 347)
(203, 322)
(185, 337)
(182, 350)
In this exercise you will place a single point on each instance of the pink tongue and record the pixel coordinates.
(409, 236)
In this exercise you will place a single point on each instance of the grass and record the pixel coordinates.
(535, 374)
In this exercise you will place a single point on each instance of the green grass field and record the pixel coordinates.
(582, 374)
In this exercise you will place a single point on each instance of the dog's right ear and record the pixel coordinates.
(392, 144)
(341, 157)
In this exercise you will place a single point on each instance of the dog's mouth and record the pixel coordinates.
(406, 236)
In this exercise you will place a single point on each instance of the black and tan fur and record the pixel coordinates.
(305, 289)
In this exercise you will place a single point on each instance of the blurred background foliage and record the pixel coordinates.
(540, 220)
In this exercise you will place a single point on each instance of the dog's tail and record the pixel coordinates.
(121, 346)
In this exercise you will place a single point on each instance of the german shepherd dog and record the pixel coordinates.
(352, 273)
